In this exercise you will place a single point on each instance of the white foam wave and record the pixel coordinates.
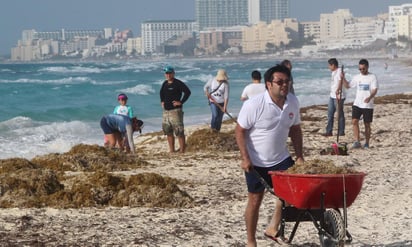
(29, 138)
(66, 80)
(140, 89)
(73, 69)
(16, 123)
(118, 82)
(7, 71)
(201, 77)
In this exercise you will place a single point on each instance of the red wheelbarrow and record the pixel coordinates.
(318, 198)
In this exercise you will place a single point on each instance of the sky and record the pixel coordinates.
(52, 15)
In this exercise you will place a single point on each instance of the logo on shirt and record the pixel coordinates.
(364, 87)
(291, 115)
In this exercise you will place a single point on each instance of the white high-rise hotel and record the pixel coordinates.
(226, 13)
(212, 14)
(155, 33)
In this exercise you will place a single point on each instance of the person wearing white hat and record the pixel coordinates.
(217, 92)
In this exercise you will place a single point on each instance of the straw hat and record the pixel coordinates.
(221, 75)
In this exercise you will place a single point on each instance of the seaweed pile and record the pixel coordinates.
(83, 177)
(207, 139)
(317, 166)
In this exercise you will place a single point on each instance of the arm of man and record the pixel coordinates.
(186, 91)
(162, 95)
(243, 96)
(129, 134)
(373, 93)
(240, 134)
(295, 134)
(344, 82)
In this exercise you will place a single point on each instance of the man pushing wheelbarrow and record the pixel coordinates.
(263, 126)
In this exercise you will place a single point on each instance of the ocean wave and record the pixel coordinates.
(16, 123)
(138, 90)
(117, 82)
(66, 80)
(73, 69)
(35, 138)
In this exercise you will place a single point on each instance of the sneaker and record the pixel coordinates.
(366, 146)
(356, 145)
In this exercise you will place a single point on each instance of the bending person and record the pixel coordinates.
(117, 128)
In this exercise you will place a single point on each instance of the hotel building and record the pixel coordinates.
(155, 33)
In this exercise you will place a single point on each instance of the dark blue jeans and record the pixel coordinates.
(332, 105)
(217, 116)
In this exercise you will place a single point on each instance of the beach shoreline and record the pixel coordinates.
(213, 179)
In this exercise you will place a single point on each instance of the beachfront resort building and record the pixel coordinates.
(263, 37)
(220, 40)
(399, 23)
(311, 30)
(36, 45)
(134, 46)
(227, 13)
(156, 33)
(340, 30)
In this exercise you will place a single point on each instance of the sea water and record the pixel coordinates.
(50, 107)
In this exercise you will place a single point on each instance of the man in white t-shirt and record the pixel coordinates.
(264, 124)
(336, 99)
(366, 85)
(253, 88)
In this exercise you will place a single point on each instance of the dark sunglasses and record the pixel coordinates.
(281, 82)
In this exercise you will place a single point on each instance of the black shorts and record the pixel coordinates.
(253, 183)
(365, 112)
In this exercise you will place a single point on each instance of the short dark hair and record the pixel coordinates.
(278, 68)
(256, 75)
(333, 61)
(364, 62)
(286, 62)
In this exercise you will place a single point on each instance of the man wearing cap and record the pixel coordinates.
(173, 94)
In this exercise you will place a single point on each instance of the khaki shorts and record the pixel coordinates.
(173, 122)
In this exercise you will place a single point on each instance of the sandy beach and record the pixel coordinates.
(206, 208)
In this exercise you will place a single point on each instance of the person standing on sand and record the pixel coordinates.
(366, 85)
(263, 126)
(288, 64)
(217, 92)
(336, 98)
(172, 102)
(253, 88)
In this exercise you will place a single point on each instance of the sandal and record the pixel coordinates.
(278, 239)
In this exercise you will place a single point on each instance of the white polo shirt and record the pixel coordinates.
(268, 128)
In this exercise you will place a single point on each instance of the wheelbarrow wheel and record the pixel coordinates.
(335, 227)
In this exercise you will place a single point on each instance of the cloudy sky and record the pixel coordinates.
(51, 15)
